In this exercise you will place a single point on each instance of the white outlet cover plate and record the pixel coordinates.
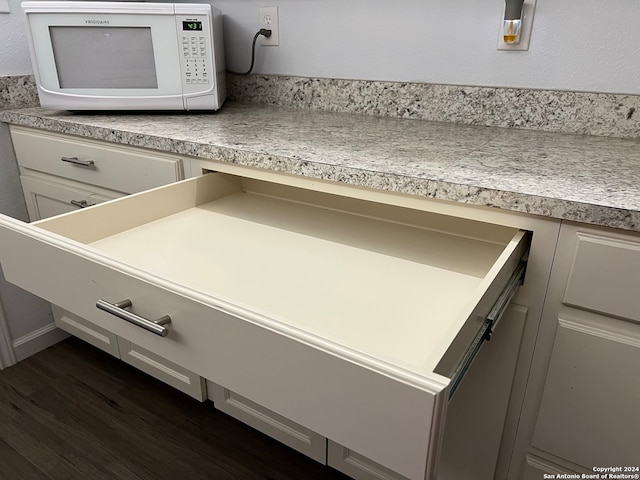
(4, 6)
(272, 13)
(528, 9)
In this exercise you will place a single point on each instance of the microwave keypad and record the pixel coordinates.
(197, 67)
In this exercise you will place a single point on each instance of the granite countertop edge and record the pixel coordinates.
(459, 163)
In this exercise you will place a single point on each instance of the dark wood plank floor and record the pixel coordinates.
(74, 412)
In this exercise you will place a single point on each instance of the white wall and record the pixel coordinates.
(585, 45)
(14, 53)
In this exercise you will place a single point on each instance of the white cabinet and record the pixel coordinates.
(46, 198)
(319, 313)
(348, 316)
(92, 163)
(60, 174)
(586, 375)
(589, 410)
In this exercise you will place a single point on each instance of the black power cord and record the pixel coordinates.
(264, 32)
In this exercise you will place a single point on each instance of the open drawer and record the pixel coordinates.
(352, 318)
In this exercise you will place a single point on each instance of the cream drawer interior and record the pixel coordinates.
(93, 162)
(346, 316)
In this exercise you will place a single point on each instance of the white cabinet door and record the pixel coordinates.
(585, 387)
(589, 411)
(331, 313)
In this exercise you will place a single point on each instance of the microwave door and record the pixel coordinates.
(89, 57)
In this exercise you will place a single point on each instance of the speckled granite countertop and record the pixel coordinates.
(581, 178)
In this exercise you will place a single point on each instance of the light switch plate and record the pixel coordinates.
(4, 6)
(528, 9)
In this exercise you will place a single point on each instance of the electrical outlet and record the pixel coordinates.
(4, 6)
(269, 20)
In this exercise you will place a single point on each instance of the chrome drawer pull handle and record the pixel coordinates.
(77, 161)
(79, 203)
(118, 309)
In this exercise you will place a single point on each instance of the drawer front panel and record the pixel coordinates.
(126, 170)
(291, 434)
(357, 466)
(334, 393)
(85, 330)
(605, 276)
(158, 367)
(46, 199)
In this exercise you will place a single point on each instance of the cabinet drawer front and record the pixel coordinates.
(331, 317)
(357, 466)
(604, 276)
(158, 367)
(331, 394)
(123, 169)
(46, 199)
(85, 330)
(291, 434)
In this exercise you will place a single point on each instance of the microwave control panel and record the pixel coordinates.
(196, 59)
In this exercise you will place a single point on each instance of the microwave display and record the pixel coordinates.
(104, 57)
(192, 26)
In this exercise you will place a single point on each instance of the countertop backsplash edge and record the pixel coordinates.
(18, 91)
(601, 114)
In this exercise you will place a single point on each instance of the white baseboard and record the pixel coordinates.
(37, 341)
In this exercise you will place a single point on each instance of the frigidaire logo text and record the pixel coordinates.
(97, 22)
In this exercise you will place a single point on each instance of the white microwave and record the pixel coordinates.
(126, 56)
